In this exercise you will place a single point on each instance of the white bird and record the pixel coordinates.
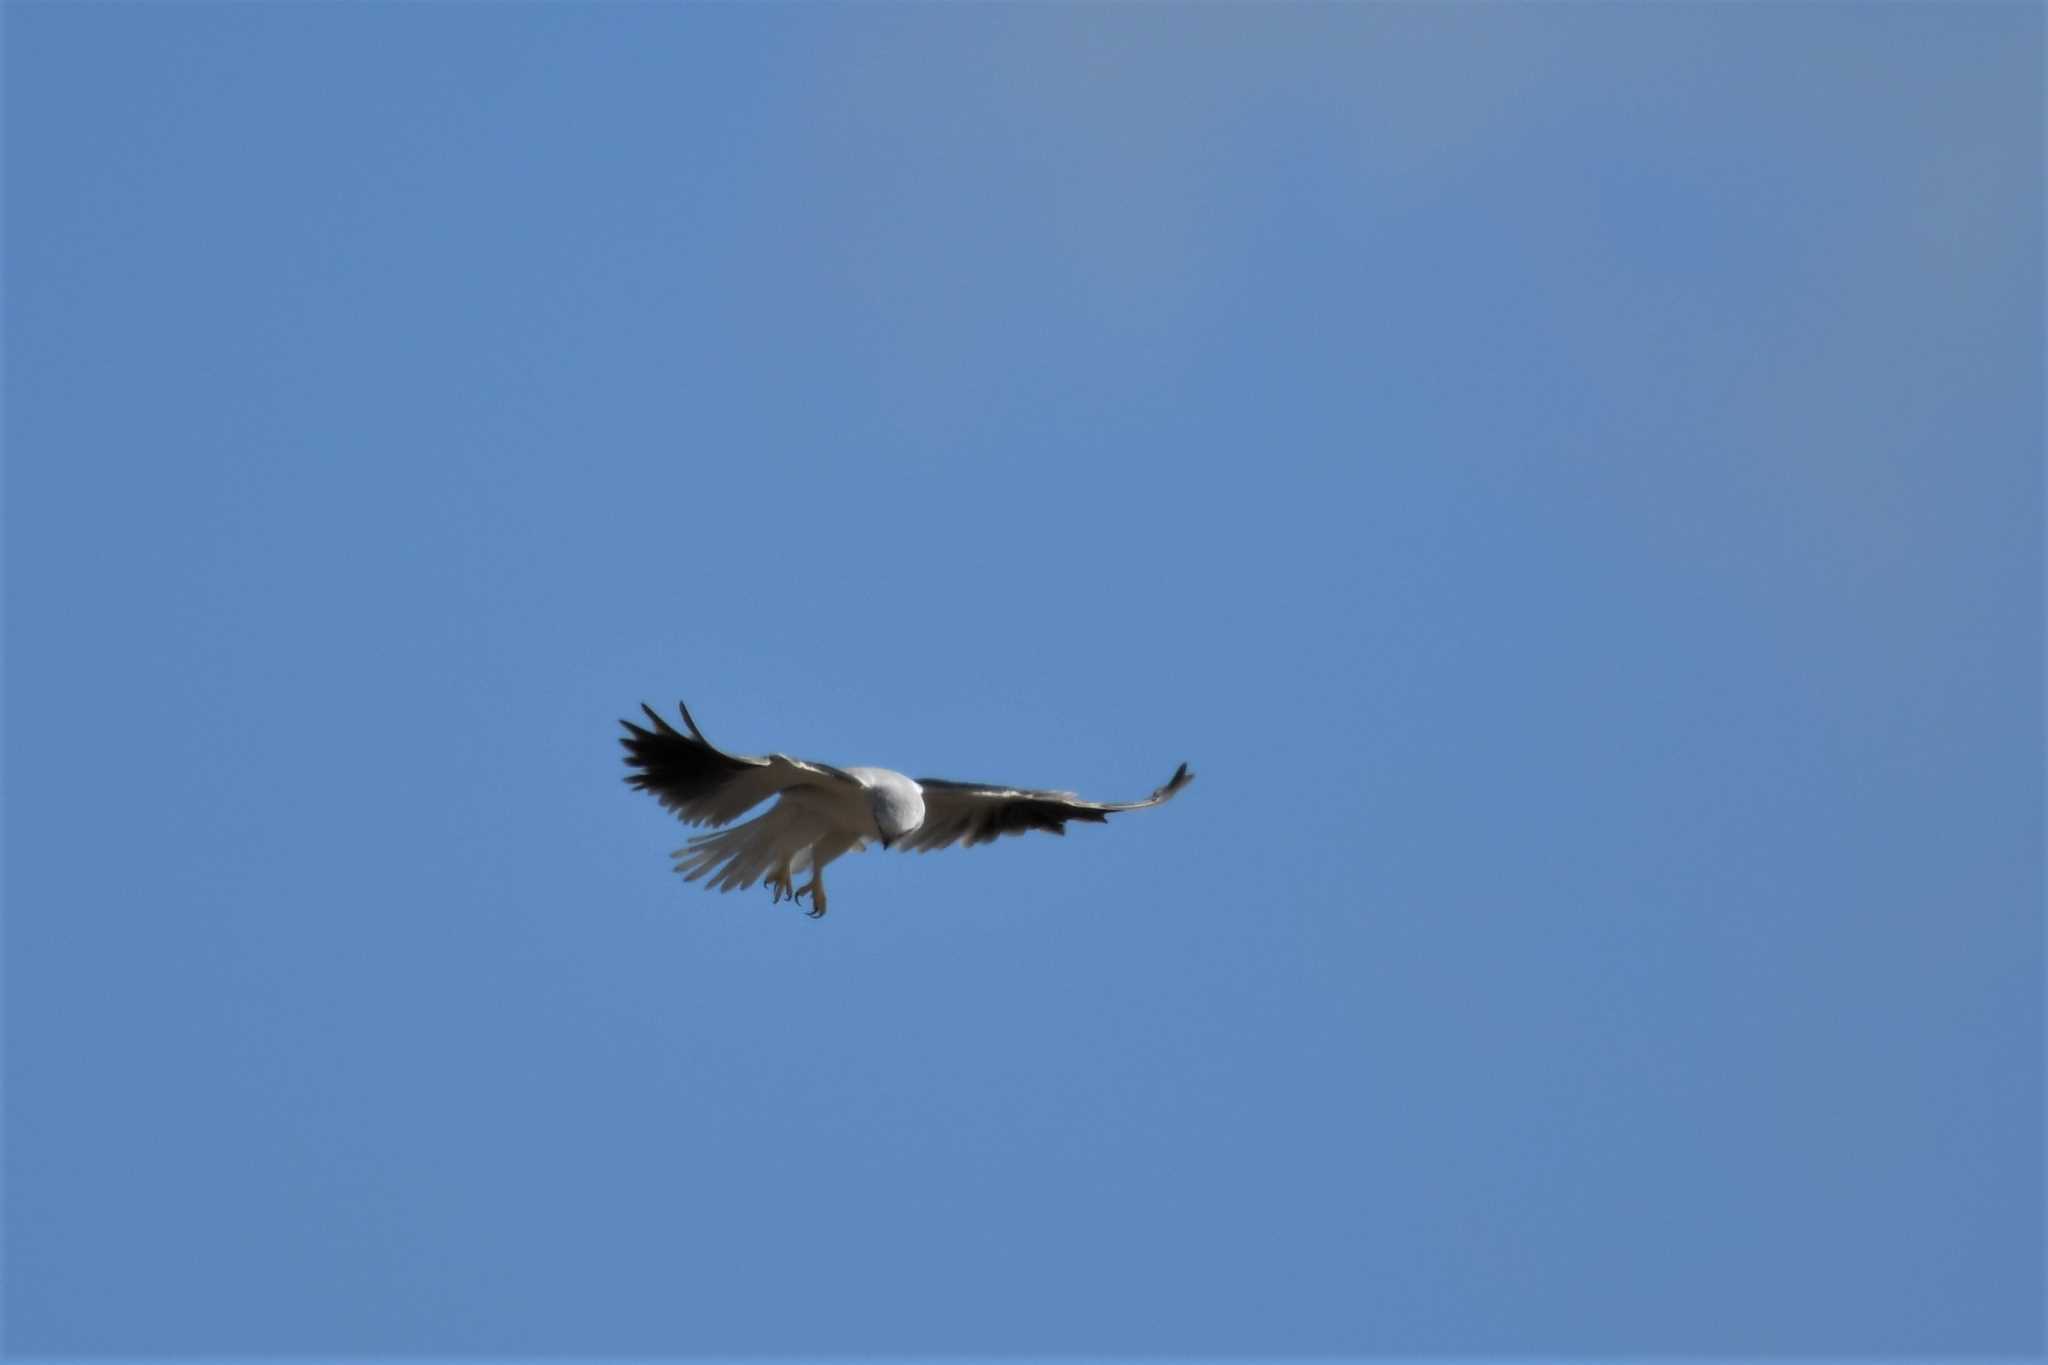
(822, 812)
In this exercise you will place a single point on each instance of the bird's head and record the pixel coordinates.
(898, 807)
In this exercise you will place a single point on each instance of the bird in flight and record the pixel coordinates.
(822, 812)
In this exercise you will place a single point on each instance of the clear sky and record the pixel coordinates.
(1568, 478)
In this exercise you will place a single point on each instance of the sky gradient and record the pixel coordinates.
(1567, 478)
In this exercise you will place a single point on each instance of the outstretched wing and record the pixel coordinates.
(977, 813)
(703, 784)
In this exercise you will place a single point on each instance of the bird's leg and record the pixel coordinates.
(779, 888)
(815, 889)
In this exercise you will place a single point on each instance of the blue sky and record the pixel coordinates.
(1568, 479)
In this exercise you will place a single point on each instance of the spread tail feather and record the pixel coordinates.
(736, 858)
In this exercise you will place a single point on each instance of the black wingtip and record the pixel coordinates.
(661, 727)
